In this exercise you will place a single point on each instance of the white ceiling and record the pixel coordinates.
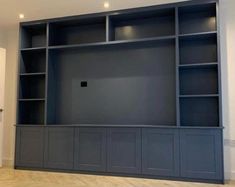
(42, 9)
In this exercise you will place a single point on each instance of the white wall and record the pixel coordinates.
(228, 86)
(228, 82)
(2, 39)
(10, 95)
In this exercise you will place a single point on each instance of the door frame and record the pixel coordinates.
(2, 93)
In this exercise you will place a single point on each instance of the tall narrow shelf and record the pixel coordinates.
(198, 66)
(32, 75)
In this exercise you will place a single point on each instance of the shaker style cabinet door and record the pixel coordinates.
(29, 147)
(160, 152)
(201, 154)
(59, 147)
(90, 149)
(124, 150)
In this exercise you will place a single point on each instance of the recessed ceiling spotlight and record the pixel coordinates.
(106, 5)
(21, 16)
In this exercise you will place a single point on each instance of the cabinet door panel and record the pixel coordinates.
(201, 154)
(124, 150)
(160, 152)
(29, 147)
(90, 149)
(59, 147)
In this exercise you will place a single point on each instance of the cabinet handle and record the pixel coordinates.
(1, 110)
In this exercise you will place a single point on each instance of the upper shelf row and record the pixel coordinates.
(141, 25)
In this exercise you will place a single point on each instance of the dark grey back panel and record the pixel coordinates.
(29, 147)
(31, 112)
(198, 80)
(90, 149)
(201, 154)
(124, 150)
(198, 49)
(77, 33)
(199, 111)
(131, 84)
(59, 148)
(33, 61)
(160, 152)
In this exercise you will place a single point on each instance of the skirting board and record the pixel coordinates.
(8, 163)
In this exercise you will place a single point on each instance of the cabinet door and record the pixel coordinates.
(201, 154)
(90, 149)
(29, 147)
(160, 152)
(59, 147)
(124, 150)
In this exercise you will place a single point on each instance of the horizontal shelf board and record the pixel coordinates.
(108, 125)
(201, 127)
(37, 99)
(120, 126)
(209, 64)
(189, 35)
(30, 125)
(33, 49)
(202, 95)
(33, 74)
(97, 44)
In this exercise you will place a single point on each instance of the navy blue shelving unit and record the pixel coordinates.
(145, 80)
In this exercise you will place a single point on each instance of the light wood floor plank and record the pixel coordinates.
(20, 178)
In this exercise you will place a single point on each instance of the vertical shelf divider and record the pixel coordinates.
(46, 84)
(108, 29)
(177, 66)
(219, 65)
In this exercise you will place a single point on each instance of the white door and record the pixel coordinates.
(2, 86)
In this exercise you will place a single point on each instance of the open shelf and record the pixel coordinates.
(199, 111)
(198, 49)
(197, 18)
(78, 31)
(33, 36)
(33, 61)
(198, 80)
(31, 112)
(122, 85)
(142, 25)
(32, 87)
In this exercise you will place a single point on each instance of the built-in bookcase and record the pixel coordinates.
(142, 67)
(134, 92)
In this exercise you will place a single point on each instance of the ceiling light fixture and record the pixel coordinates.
(106, 5)
(21, 16)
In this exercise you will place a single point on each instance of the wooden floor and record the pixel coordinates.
(19, 178)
